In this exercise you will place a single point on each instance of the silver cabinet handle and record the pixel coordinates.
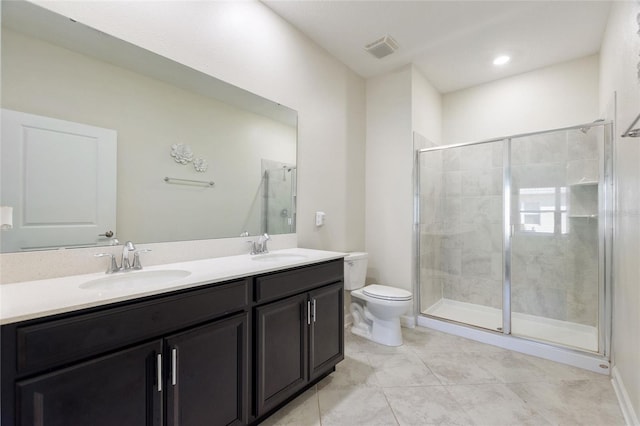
(159, 367)
(314, 310)
(174, 366)
(308, 312)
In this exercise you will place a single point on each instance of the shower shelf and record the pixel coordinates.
(583, 199)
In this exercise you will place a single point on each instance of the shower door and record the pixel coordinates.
(512, 235)
(556, 270)
(279, 206)
(461, 229)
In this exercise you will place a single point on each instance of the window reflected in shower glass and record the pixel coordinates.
(543, 210)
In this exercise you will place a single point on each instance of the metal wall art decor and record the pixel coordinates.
(183, 154)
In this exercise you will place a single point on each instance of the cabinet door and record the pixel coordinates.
(327, 329)
(118, 389)
(281, 350)
(207, 380)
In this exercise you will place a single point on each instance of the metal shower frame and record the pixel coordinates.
(605, 236)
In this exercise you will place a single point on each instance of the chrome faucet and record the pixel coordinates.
(113, 265)
(125, 265)
(136, 259)
(259, 246)
(262, 243)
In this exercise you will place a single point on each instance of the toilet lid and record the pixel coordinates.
(386, 293)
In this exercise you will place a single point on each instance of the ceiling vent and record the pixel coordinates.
(382, 47)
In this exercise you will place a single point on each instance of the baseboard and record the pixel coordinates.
(630, 416)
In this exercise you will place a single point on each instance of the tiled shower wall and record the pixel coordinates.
(554, 275)
(462, 225)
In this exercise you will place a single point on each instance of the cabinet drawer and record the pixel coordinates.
(282, 284)
(65, 340)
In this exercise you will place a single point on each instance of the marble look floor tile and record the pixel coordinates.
(556, 371)
(354, 370)
(302, 411)
(422, 342)
(417, 336)
(511, 367)
(468, 345)
(401, 370)
(434, 341)
(430, 405)
(360, 344)
(495, 405)
(357, 405)
(351, 342)
(437, 378)
(572, 402)
(458, 368)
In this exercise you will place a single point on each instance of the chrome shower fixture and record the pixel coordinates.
(585, 130)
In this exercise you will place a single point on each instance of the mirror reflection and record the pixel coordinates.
(187, 156)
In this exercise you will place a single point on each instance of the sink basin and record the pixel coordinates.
(135, 280)
(278, 257)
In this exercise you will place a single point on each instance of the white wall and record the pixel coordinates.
(560, 95)
(397, 104)
(426, 109)
(246, 44)
(388, 178)
(619, 57)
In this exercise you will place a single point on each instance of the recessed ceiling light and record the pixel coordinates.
(501, 60)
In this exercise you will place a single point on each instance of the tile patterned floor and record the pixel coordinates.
(439, 379)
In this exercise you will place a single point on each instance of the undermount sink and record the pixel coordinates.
(135, 280)
(278, 257)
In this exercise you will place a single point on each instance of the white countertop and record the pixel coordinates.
(34, 299)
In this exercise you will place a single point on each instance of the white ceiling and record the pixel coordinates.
(453, 43)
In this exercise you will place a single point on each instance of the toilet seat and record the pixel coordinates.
(384, 292)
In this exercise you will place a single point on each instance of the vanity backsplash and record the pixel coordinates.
(38, 265)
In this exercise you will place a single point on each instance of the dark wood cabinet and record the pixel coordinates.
(281, 361)
(207, 375)
(227, 353)
(200, 374)
(118, 389)
(327, 329)
(300, 338)
(113, 365)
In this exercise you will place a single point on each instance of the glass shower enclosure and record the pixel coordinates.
(279, 192)
(513, 235)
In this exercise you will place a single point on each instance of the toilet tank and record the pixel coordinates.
(355, 270)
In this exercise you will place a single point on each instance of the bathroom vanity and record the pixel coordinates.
(227, 351)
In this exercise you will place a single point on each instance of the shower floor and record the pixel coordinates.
(539, 328)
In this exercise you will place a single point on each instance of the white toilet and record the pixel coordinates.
(376, 309)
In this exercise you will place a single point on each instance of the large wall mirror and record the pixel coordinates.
(103, 137)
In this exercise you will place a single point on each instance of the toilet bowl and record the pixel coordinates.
(376, 309)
